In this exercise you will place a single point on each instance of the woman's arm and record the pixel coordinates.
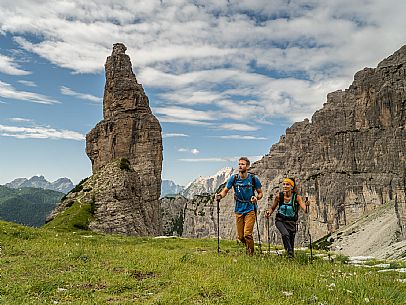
(302, 205)
(273, 207)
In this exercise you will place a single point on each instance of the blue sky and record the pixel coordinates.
(225, 78)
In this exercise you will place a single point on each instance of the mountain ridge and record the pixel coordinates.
(63, 185)
(207, 184)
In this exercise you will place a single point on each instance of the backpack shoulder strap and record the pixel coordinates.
(294, 202)
(253, 184)
(281, 198)
(235, 180)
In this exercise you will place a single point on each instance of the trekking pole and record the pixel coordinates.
(269, 237)
(218, 226)
(259, 237)
(310, 236)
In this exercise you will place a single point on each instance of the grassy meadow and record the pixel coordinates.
(44, 266)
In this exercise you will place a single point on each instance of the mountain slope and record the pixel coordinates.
(27, 206)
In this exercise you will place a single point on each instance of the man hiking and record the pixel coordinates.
(245, 184)
(287, 214)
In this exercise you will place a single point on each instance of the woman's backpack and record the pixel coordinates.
(288, 211)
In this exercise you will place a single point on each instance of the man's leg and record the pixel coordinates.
(240, 227)
(249, 221)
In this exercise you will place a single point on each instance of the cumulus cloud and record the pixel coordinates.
(39, 133)
(8, 91)
(242, 59)
(83, 96)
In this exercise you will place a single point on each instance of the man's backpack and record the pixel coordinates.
(252, 185)
(288, 211)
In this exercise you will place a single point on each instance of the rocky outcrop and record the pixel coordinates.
(125, 149)
(349, 159)
(173, 215)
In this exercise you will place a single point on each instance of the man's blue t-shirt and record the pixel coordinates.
(243, 193)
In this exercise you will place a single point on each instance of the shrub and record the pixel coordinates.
(125, 164)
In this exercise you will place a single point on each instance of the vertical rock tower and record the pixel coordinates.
(125, 149)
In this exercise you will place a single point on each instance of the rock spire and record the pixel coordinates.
(125, 150)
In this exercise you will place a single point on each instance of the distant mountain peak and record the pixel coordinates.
(207, 184)
(168, 187)
(63, 185)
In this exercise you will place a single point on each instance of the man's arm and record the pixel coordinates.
(222, 194)
(259, 195)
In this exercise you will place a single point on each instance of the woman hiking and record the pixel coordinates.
(287, 213)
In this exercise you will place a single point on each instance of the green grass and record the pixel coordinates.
(28, 206)
(76, 217)
(43, 266)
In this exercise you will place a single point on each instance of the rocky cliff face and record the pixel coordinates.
(173, 215)
(349, 159)
(125, 149)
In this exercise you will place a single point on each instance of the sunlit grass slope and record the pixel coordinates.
(43, 266)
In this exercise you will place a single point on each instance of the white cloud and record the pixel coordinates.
(174, 135)
(184, 115)
(9, 66)
(241, 137)
(27, 83)
(203, 52)
(194, 151)
(239, 127)
(83, 96)
(8, 91)
(205, 160)
(39, 133)
(220, 159)
(20, 120)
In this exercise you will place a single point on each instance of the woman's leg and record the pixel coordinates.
(281, 225)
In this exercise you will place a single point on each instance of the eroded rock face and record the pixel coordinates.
(173, 215)
(349, 159)
(126, 194)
